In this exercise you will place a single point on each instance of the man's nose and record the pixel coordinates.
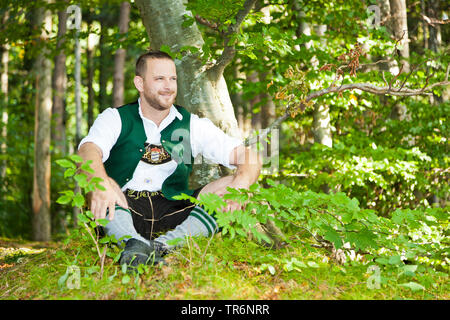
(168, 84)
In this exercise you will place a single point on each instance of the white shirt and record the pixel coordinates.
(206, 139)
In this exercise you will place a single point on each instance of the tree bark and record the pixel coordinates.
(103, 69)
(119, 58)
(41, 177)
(321, 114)
(256, 100)
(59, 89)
(434, 30)
(400, 30)
(4, 101)
(58, 135)
(321, 125)
(239, 103)
(202, 91)
(77, 76)
(90, 81)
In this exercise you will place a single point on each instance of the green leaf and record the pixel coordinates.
(78, 200)
(69, 172)
(103, 222)
(104, 240)
(89, 214)
(64, 199)
(188, 21)
(87, 167)
(383, 261)
(408, 270)
(66, 163)
(76, 158)
(82, 218)
(96, 180)
(332, 236)
(395, 260)
(81, 179)
(414, 286)
(271, 269)
(125, 279)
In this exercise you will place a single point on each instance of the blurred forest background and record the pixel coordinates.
(387, 150)
(352, 96)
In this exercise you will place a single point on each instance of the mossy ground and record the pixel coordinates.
(224, 269)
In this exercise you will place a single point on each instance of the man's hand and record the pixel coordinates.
(248, 165)
(231, 205)
(107, 199)
(100, 201)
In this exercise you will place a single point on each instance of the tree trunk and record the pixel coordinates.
(238, 102)
(59, 111)
(434, 30)
(200, 90)
(77, 76)
(423, 11)
(41, 177)
(119, 58)
(321, 125)
(103, 70)
(321, 117)
(4, 102)
(400, 30)
(387, 21)
(399, 27)
(59, 89)
(321, 114)
(255, 102)
(90, 81)
(268, 108)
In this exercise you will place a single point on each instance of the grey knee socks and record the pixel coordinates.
(122, 225)
(198, 223)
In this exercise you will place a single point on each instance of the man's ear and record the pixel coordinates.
(139, 83)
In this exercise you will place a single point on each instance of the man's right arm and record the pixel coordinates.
(100, 200)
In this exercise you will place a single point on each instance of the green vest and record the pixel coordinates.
(129, 149)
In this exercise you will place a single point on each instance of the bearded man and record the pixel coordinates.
(144, 153)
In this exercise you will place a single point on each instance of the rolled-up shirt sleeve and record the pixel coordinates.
(211, 142)
(104, 132)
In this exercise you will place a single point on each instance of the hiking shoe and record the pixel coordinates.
(161, 248)
(137, 252)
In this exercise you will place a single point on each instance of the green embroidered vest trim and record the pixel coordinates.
(129, 149)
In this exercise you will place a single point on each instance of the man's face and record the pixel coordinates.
(160, 83)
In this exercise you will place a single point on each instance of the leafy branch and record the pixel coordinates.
(295, 106)
(229, 51)
(75, 168)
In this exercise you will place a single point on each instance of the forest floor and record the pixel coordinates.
(222, 269)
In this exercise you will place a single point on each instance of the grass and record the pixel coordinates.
(225, 269)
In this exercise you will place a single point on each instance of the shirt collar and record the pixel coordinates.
(171, 116)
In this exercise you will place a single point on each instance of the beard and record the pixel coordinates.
(155, 101)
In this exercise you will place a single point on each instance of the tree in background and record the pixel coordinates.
(41, 180)
(251, 60)
(119, 58)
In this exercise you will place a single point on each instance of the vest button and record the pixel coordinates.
(128, 179)
(140, 150)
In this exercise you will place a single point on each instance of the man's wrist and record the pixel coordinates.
(241, 182)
